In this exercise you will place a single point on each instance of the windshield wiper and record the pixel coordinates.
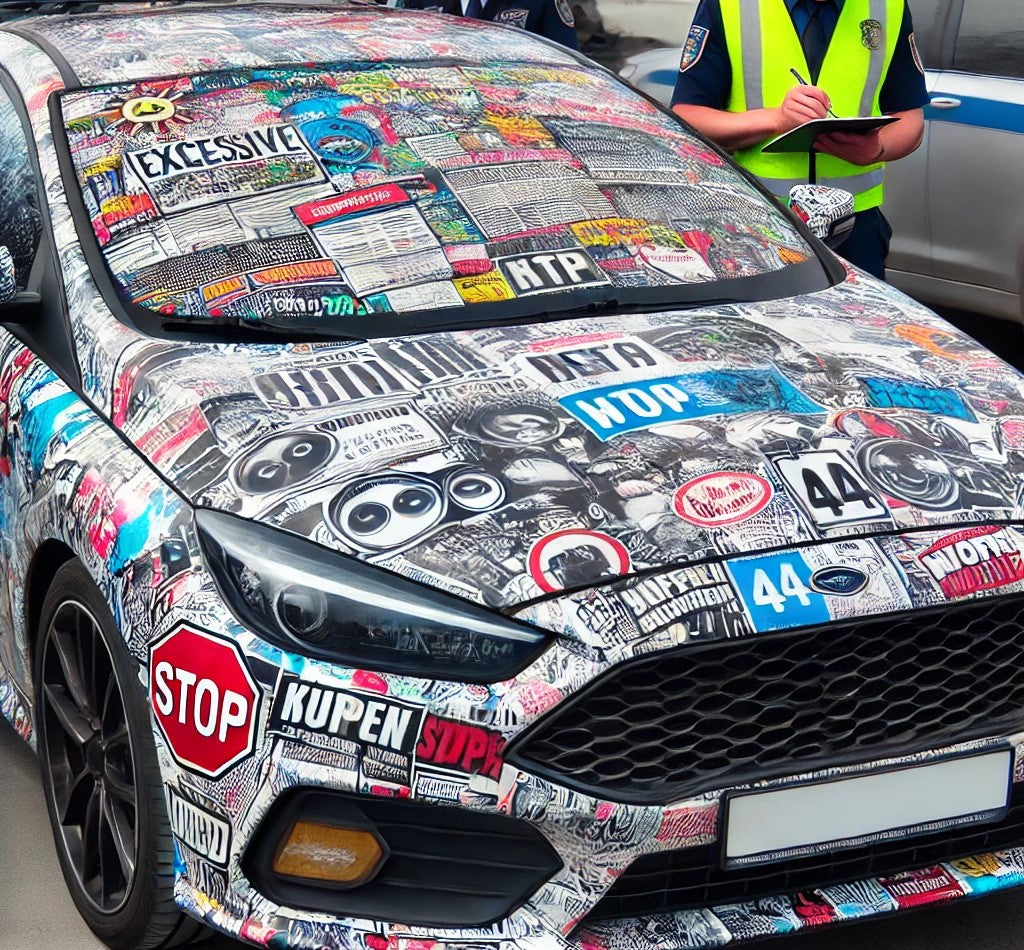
(256, 331)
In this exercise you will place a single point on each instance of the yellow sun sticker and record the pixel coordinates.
(147, 109)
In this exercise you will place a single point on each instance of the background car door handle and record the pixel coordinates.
(944, 102)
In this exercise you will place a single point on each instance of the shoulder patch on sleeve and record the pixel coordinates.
(516, 16)
(565, 13)
(693, 46)
(915, 53)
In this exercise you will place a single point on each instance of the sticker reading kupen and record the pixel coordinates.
(804, 819)
(722, 498)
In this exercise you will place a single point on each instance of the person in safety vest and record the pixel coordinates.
(551, 18)
(736, 85)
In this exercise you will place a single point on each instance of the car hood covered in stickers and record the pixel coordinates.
(505, 465)
(504, 462)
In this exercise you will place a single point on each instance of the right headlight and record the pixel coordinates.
(310, 600)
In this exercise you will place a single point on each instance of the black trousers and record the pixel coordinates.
(868, 243)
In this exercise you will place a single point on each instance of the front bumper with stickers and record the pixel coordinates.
(617, 820)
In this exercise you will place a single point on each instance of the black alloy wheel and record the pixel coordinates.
(101, 779)
(89, 760)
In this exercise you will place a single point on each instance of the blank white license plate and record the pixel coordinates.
(802, 819)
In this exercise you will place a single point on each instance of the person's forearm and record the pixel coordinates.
(731, 130)
(903, 137)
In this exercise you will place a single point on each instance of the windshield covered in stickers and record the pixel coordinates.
(321, 196)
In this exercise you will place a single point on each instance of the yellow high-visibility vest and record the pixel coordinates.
(763, 46)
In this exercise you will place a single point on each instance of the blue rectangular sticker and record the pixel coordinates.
(886, 393)
(612, 410)
(776, 590)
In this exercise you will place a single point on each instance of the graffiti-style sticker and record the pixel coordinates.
(204, 700)
(944, 343)
(813, 909)
(975, 559)
(352, 202)
(557, 270)
(302, 706)
(887, 393)
(722, 498)
(776, 591)
(331, 384)
(681, 263)
(573, 557)
(200, 829)
(830, 489)
(613, 410)
(483, 287)
(860, 899)
(990, 872)
(924, 886)
(560, 361)
(190, 156)
(472, 750)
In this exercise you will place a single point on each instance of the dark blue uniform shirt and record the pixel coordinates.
(550, 18)
(707, 80)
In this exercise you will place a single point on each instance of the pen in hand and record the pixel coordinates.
(803, 82)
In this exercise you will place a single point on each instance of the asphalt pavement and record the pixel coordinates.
(37, 914)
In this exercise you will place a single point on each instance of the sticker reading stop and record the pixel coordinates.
(204, 700)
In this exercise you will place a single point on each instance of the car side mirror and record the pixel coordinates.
(8, 285)
(827, 212)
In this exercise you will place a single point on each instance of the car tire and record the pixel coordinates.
(104, 794)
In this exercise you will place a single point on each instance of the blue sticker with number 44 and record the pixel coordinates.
(776, 590)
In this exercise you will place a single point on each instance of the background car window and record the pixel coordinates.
(925, 14)
(991, 38)
(20, 224)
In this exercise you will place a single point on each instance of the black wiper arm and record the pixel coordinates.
(256, 331)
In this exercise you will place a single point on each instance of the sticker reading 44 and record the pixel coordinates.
(776, 591)
(830, 489)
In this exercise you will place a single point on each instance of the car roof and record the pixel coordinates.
(131, 41)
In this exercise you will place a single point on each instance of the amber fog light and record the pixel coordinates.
(314, 851)
(443, 865)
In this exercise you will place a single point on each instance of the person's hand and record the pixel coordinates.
(802, 104)
(859, 148)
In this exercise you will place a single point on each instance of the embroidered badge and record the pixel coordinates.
(693, 46)
(516, 16)
(565, 13)
(871, 34)
(914, 52)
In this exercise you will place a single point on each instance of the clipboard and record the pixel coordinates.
(801, 139)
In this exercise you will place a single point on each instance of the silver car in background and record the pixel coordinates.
(957, 204)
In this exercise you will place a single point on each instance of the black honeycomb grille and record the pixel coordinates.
(679, 880)
(708, 716)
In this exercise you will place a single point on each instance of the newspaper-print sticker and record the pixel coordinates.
(565, 13)
(693, 47)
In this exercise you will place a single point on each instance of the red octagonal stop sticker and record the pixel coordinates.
(204, 699)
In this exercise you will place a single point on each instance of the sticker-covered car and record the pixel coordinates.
(445, 503)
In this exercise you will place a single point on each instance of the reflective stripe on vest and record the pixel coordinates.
(763, 45)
